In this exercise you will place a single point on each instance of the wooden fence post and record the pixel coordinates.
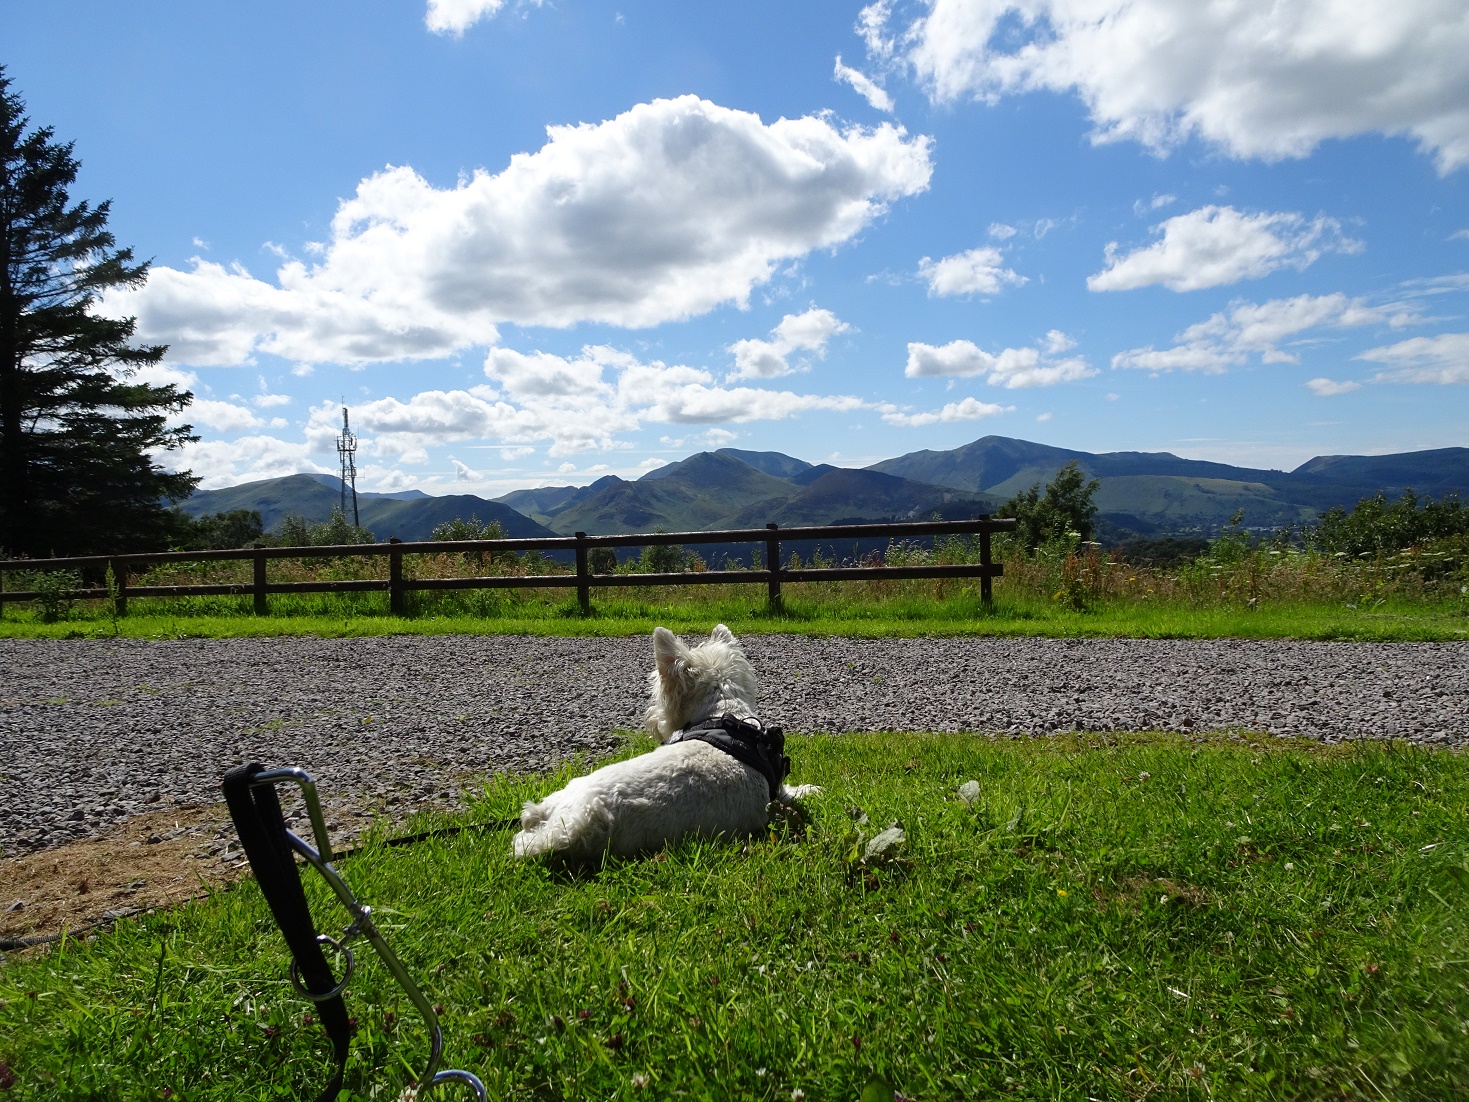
(120, 587)
(395, 580)
(986, 583)
(258, 559)
(772, 562)
(583, 576)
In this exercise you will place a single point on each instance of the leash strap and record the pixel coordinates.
(262, 830)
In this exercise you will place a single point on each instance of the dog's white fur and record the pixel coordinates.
(647, 802)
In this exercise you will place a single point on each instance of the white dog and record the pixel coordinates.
(703, 711)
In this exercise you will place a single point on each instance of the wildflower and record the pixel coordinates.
(1061, 892)
(641, 1079)
(1144, 776)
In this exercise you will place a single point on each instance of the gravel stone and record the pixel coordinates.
(93, 732)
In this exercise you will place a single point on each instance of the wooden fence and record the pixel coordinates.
(124, 567)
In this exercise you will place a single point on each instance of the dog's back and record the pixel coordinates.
(645, 803)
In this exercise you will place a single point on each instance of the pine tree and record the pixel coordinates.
(78, 433)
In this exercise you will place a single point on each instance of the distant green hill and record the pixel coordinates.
(1141, 494)
(773, 463)
(543, 503)
(681, 497)
(1173, 504)
(844, 496)
(385, 515)
(1153, 493)
(988, 462)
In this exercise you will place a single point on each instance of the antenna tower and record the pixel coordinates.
(347, 453)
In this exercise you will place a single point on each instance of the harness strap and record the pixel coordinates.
(262, 830)
(761, 748)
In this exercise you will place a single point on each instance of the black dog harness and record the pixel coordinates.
(761, 748)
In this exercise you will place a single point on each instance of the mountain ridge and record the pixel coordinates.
(1140, 493)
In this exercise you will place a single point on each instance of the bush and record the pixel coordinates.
(55, 590)
(472, 529)
(1376, 525)
(661, 558)
(1065, 507)
(297, 531)
(217, 531)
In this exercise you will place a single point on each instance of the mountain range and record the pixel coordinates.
(1141, 494)
(408, 514)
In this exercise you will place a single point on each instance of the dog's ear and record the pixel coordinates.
(722, 634)
(669, 653)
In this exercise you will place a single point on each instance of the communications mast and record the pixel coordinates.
(347, 453)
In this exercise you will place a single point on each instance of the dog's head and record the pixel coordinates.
(689, 683)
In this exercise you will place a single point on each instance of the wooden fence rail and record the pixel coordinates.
(397, 586)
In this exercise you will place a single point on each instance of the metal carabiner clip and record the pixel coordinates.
(339, 946)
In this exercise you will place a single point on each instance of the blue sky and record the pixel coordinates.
(534, 243)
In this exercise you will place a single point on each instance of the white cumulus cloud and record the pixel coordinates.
(665, 212)
(1442, 359)
(246, 459)
(1012, 368)
(568, 403)
(463, 472)
(874, 93)
(1213, 245)
(1327, 388)
(768, 359)
(979, 271)
(1056, 342)
(968, 409)
(457, 16)
(1258, 78)
(220, 416)
(1229, 338)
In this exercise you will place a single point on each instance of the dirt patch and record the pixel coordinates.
(1137, 890)
(150, 862)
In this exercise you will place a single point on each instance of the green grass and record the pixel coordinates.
(808, 609)
(1114, 919)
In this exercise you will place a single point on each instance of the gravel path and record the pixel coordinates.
(95, 732)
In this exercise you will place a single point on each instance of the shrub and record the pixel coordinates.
(297, 531)
(1065, 507)
(55, 590)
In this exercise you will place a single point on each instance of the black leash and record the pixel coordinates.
(262, 830)
(340, 855)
